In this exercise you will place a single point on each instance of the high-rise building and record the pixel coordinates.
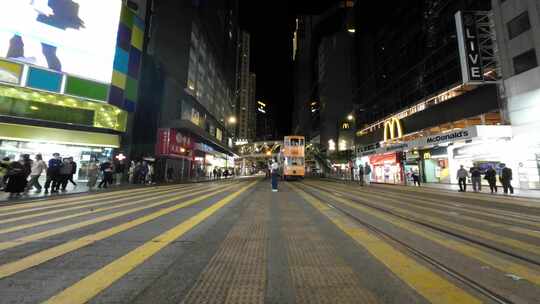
(252, 105)
(324, 74)
(517, 23)
(244, 87)
(75, 95)
(187, 106)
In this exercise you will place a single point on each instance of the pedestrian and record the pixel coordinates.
(131, 172)
(38, 167)
(27, 164)
(150, 174)
(361, 175)
(274, 170)
(93, 173)
(4, 165)
(367, 174)
(226, 173)
(506, 179)
(491, 177)
(143, 171)
(107, 170)
(16, 178)
(351, 167)
(462, 175)
(476, 178)
(170, 174)
(219, 173)
(73, 171)
(53, 174)
(416, 177)
(65, 173)
(214, 173)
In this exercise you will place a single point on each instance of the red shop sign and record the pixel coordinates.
(173, 142)
(379, 160)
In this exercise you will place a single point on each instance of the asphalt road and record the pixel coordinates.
(315, 241)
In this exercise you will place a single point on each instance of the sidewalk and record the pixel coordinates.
(485, 189)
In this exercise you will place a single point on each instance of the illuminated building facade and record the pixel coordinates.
(55, 98)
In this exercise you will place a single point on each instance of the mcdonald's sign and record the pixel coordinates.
(392, 129)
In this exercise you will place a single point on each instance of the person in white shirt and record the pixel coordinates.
(274, 172)
(462, 175)
(38, 167)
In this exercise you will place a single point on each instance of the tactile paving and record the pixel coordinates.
(316, 271)
(237, 272)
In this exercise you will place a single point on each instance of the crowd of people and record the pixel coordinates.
(490, 175)
(23, 175)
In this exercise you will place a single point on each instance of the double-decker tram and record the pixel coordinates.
(294, 157)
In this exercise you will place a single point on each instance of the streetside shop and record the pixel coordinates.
(438, 157)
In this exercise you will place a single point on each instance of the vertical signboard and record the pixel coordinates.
(469, 47)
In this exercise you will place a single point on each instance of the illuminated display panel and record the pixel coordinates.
(72, 36)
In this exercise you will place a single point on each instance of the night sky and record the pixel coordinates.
(271, 25)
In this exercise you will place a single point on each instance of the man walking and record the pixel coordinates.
(274, 169)
(416, 178)
(462, 175)
(361, 175)
(367, 174)
(476, 178)
(506, 180)
(37, 169)
(107, 170)
(491, 177)
(53, 174)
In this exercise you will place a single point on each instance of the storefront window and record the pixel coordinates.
(81, 155)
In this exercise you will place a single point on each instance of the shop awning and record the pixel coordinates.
(58, 136)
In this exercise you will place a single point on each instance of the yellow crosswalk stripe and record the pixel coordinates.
(92, 285)
(395, 201)
(520, 201)
(37, 206)
(430, 285)
(436, 203)
(38, 236)
(94, 211)
(495, 261)
(497, 238)
(79, 206)
(57, 251)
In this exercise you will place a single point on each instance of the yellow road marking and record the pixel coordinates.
(34, 205)
(56, 231)
(89, 287)
(430, 285)
(497, 238)
(520, 201)
(54, 252)
(93, 211)
(80, 200)
(392, 201)
(79, 206)
(484, 211)
(472, 252)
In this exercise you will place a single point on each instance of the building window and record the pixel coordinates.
(519, 25)
(525, 61)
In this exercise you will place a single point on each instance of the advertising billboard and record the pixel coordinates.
(77, 37)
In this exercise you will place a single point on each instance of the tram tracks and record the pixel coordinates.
(419, 253)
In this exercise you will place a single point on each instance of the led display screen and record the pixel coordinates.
(72, 36)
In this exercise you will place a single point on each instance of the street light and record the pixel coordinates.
(350, 117)
(232, 120)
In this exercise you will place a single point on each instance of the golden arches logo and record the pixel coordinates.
(390, 127)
